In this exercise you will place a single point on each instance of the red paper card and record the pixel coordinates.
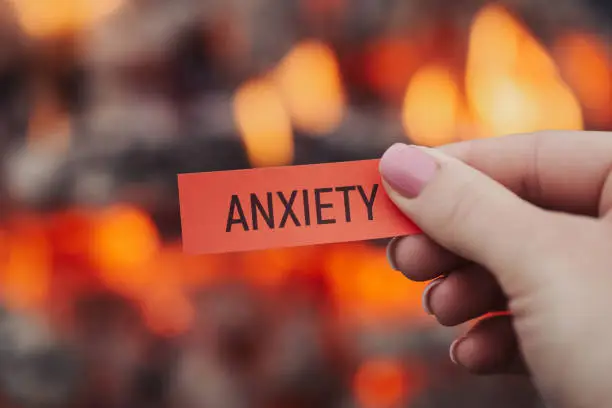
(253, 209)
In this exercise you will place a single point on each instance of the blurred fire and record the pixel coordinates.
(512, 83)
(26, 271)
(389, 65)
(71, 231)
(585, 62)
(367, 288)
(128, 256)
(166, 309)
(264, 123)
(381, 384)
(123, 240)
(120, 248)
(43, 18)
(432, 106)
(309, 80)
(305, 90)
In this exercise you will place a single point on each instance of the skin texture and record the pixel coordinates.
(520, 223)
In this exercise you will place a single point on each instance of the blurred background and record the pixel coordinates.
(103, 102)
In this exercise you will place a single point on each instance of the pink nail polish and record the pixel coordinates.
(407, 169)
(427, 295)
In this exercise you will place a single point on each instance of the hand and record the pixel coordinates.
(518, 223)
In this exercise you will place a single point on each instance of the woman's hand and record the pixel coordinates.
(517, 223)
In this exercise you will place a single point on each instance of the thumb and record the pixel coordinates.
(463, 209)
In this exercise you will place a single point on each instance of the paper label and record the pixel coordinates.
(244, 210)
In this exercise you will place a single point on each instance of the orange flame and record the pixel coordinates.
(585, 62)
(264, 123)
(42, 18)
(380, 384)
(389, 65)
(166, 309)
(374, 290)
(512, 83)
(123, 240)
(310, 83)
(431, 107)
(26, 273)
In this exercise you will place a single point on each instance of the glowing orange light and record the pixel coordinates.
(309, 80)
(263, 123)
(189, 270)
(167, 311)
(70, 232)
(586, 64)
(390, 63)
(158, 286)
(385, 293)
(373, 289)
(27, 272)
(41, 18)
(493, 40)
(380, 384)
(270, 268)
(512, 83)
(431, 107)
(123, 240)
(3, 248)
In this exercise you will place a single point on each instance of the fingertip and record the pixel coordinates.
(421, 259)
(407, 169)
(391, 251)
(488, 348)
(452, 351)
(467, 293)
(427, 293)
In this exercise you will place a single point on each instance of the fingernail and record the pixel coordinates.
(391, 252)
(426, 300)
(407, 169)
(453, 349)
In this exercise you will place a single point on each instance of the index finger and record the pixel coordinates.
(558, 170)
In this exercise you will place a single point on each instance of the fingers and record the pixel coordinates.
(421, 259)
(560, 170)
(465, 211)
(463, 295)
(489, 347)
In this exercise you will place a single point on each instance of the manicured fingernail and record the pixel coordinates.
(453, 349)
(407, 169)
(391, 252)
(427, 295)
